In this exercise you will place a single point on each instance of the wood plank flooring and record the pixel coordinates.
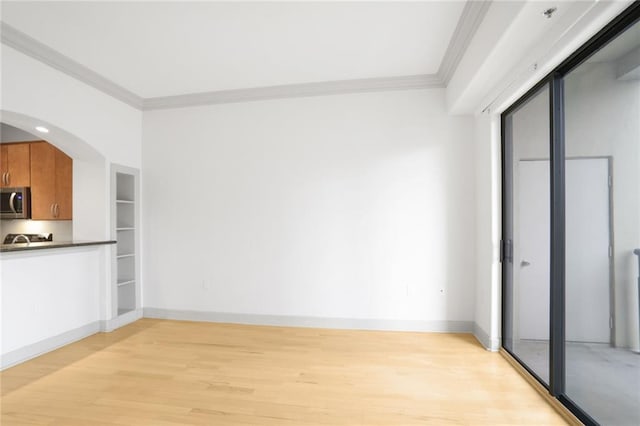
(168, 373)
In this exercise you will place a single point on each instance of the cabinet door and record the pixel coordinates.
(15, 164)
(63, 186)
(4, 166)
(43, 180)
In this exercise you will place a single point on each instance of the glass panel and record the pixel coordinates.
(602, 124)
(527, 276)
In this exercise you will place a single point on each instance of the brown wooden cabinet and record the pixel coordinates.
(51, 183)
(14, 165)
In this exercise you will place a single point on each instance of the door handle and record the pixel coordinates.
(524, 263)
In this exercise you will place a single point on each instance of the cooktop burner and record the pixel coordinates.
(22, 238)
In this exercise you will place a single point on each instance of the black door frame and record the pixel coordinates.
(555, 82)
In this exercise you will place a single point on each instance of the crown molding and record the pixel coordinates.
(43, 53)
(470, 19)
(422, 81)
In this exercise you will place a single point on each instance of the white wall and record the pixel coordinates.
(488, 231)
(95, 130)
(107, 125)
(351, 206)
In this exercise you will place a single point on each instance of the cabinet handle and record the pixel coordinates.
(4, 178)
(51, 210)
(57, 210)
(8, 178)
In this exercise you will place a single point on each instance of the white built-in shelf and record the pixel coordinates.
(125, 207)
(125, 215)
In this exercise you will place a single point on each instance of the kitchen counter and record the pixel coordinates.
(10, 248)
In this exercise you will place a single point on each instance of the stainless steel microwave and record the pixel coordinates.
(15, 203)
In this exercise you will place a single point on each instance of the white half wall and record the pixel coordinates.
(49, 298)
(353, 206)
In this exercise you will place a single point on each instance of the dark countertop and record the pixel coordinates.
(10, 248)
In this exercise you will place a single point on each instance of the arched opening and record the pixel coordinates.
(90, 219)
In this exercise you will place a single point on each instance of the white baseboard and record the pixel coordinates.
(122, 320)
(47, 345)
(485, 340)
(33, 350)
(314, 322)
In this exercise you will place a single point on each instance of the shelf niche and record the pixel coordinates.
(125, 219)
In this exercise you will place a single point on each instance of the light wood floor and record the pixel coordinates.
(162, 373)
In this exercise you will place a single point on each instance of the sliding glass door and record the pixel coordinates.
(526, 289)
(602, 168)
(571, 228)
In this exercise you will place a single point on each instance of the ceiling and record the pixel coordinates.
(163, 49)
